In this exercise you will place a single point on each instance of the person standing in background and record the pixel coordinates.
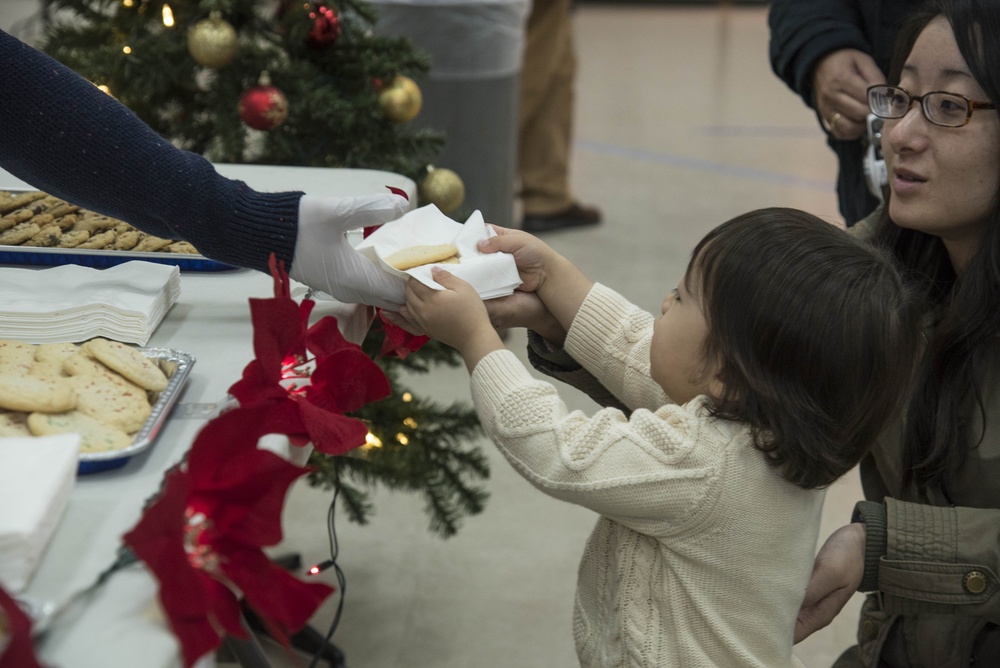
(546, 122)
(829, 52)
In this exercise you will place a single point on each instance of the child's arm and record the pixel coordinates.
(455, 316)
(557, 282)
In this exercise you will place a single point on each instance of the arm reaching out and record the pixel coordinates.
(557, 282)
(454, 316)
(325, 260)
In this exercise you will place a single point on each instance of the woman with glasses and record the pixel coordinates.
(926, 543)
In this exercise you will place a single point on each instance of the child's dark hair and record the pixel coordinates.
(815, 333)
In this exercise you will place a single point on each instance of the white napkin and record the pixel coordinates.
(125, 302)
(491, 274)
(36, 477)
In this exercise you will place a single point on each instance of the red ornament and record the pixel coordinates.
(326, 26)
(263, 107)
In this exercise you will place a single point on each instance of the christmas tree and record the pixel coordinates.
(307, 84)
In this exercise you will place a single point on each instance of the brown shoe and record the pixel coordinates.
(576, 215)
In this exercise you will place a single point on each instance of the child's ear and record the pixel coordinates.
(715, 386)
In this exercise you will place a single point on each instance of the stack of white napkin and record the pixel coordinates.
(36, 477)
(491, 274)
(74, 303)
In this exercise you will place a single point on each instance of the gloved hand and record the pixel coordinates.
(324, 260)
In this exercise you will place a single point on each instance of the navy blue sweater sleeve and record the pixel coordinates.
(62, 135)
(803, 31)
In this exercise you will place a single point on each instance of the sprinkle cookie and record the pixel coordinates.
(35, 393)
(119, 404)
(129, 362)
(13, 424)
(94, 436)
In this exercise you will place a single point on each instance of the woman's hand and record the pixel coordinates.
(525, 309)
(836, 574)
(456, 316)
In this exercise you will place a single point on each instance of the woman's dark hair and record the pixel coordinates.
(965, 319)
(815, 333)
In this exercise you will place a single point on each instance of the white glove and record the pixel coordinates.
(324, 259)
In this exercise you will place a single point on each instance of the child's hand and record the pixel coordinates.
(532, 255)
(559, 284)
(455, 316)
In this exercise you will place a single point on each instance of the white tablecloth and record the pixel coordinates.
(121, 624)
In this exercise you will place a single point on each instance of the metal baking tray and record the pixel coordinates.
(177, 366)
(100, 259)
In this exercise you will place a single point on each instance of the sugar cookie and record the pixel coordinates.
(19, 392)
(414, 256)
(94, 436)
(129, 362)
(120, 404)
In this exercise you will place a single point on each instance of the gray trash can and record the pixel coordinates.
(471, 91)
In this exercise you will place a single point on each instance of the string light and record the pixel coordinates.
(168, 16)
(407, 396)
(127, 50)
(128, 3)
(103, 88)
(410, 422)
(402, 438)
(320, 567)
(372, 441)
(295, 368)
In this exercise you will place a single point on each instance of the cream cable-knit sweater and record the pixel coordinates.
(702, 552)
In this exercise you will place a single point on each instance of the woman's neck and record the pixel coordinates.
(960, 252)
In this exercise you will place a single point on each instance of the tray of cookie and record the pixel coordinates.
(116, 396)
(40, 229)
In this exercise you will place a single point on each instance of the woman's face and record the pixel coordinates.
(944, 181)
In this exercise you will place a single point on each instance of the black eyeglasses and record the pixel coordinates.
(949, 110)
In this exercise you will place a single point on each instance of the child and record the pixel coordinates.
(776, 361)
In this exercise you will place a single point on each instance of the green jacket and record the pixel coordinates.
(933, 560)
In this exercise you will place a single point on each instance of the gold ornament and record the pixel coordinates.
(212, 42)
(443, 188)
(401, 99)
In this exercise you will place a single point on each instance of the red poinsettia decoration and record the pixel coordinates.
(16, 650)
(399, 342)
(203, 537)
(305, 378)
